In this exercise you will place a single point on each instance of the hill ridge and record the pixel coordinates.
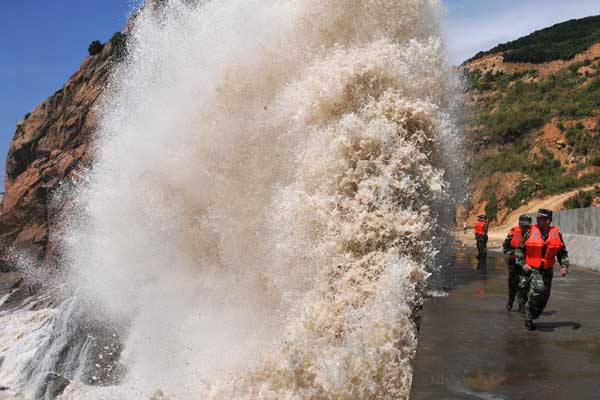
(561, 41)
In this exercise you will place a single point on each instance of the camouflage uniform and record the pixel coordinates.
(514, 275)
(537, 283)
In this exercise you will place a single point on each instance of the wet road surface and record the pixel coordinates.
(471, 348)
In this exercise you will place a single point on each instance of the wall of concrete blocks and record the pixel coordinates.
(581, 232)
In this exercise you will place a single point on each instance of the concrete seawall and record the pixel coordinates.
(581, 232)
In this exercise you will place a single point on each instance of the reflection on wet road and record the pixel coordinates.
(471, 348)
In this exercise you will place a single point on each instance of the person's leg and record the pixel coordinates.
(536, 298)
(546, 275)
(479, 241)
(521, 288)
(513, 283)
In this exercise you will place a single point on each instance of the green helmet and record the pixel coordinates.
(525, 220)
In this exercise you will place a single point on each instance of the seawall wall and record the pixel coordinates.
(581, 232)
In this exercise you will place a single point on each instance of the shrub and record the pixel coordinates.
(573, 135)
(95, 48)
(525, 191)
(491, 209)
(119, 45)
(580, 200)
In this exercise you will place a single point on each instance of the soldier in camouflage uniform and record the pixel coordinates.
(481, 236)
(513, 239)
(537, 253)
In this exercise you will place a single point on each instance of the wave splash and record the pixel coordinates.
(259, 219)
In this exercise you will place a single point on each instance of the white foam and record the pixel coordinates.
(258, 219)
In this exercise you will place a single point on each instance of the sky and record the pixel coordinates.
(42, 42)
(475, 25)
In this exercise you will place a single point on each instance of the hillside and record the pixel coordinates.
(559, 42)
(50, 144)
(534, 127)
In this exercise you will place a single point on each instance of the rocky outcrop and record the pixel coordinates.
(50, 145)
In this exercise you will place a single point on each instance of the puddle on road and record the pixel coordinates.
(482, 380)
(589, 345)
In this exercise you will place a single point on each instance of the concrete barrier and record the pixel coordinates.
(584, 251)
(581, 221)
(581, 232)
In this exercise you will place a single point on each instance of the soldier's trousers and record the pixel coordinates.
(514, 287)
(538, 284)
(481, 244)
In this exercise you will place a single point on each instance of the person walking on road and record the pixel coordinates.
(513, 239)
(537, 254)
(481, 235)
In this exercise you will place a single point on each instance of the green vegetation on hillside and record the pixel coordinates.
(545, 172)
(581, 199)
(510, 110)
(559, 42)
(544, 175)
(491, 209)
(119, 45)
(95, 47)
(524, 102)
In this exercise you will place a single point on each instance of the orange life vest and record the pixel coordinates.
(517, 236)
(535, 244)
(479, 228)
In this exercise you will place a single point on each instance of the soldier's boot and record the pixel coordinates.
(521, 308)
(509, 306)
(530, 325)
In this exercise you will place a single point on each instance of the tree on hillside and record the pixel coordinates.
(95, 48)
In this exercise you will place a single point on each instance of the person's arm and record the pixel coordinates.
(485, 228)
(519, 252)
(563, 257)
(506, 249)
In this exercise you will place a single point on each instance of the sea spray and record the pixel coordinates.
(259, 220)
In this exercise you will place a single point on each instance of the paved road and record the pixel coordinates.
(471, 348)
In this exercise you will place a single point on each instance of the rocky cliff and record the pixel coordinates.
(50, 144)
(534, 120)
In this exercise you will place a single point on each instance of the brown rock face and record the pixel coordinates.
(50, 144)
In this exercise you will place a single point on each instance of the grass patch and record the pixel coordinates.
(546, 176)
(491, 209)
(523, 107)
(580, 200)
